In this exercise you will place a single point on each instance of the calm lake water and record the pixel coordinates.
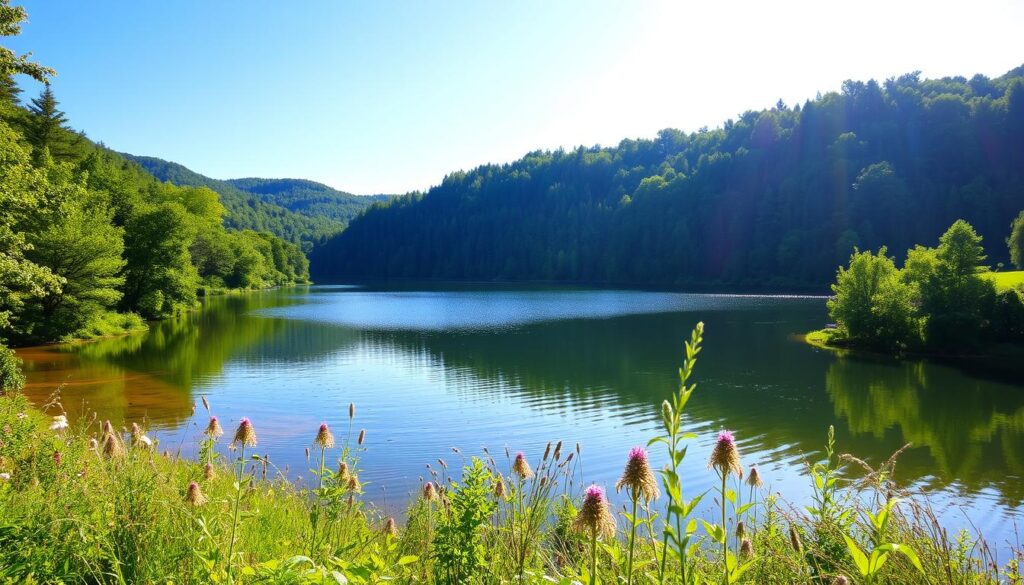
(430, 370)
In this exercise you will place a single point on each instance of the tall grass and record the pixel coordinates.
(87, 503)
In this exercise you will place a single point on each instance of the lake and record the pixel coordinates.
(468, 367)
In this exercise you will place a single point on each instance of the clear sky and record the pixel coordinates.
(387, 96)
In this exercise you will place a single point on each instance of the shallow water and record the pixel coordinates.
(433, 369)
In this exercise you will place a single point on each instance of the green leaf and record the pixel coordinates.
(407, 559)
(859, 558)
(905, 551)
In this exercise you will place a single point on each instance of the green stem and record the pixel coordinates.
(238, 496)
(593, 558)
(632, 539)
(725, 535)
(316, 502)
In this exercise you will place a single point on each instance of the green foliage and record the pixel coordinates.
(459, 542)
(942, 299)
(872, 304)
(772, 199)
(11, 378)
(1015, 241)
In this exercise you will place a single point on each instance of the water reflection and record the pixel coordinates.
(438, 369)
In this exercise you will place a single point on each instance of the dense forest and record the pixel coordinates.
(309, 197)
(90, 243)
(255, 211)
(774, 199)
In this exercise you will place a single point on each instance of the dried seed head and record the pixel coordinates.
(245, 435)
(544, 481)
(208, 471)
(558, 450)
(351, 410)
(499, 487)
(112, 447)
(746, 549)
(206, 403)
(389, 527)
(794, 540)
(107, 427)
(547, 452)
(741, 530)
(343, 472)
(841, 580)
(594, 517)
(194, 496)
(136, 433)
(94, 445)
(213, 429)
(725, 458)
(429, 494)
(638, 477)
(353, 483)
(754, 479)
(307, 455)
(521, 467)
(362, 437)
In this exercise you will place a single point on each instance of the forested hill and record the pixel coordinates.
(774, 199)
(247, 210)
(308, 197)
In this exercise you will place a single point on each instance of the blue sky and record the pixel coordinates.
(389, 96)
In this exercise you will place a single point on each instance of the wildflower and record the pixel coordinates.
(145, 441)
(754, 479)
(726, 458)
(60, 422)
(638, 477)
(794, 539)
(112, 447)
(343, 472)
(208, 471)
(594, 516)
(362, 437)
(56, 458)
(428, 492)
(194, 496)
(5, 476)
(389, 527)
(213, 429)
(21, 416)
(521, 467)
(746, 549)
(245, 435)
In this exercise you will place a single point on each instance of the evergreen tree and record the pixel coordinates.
(47, 129)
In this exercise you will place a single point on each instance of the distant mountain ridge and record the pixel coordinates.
(297, 210)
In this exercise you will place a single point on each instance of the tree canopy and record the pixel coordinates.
(773, 199)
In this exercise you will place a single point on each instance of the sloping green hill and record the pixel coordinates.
(308, 197)
(247, 210)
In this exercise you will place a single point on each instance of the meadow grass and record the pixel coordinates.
(81, 502)
(1006, 280)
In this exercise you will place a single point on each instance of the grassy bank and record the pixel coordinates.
(1006, 280)
(87, 503)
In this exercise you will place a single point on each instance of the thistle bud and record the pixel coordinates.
(245, 435)
(194, 496)
(521, 466)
